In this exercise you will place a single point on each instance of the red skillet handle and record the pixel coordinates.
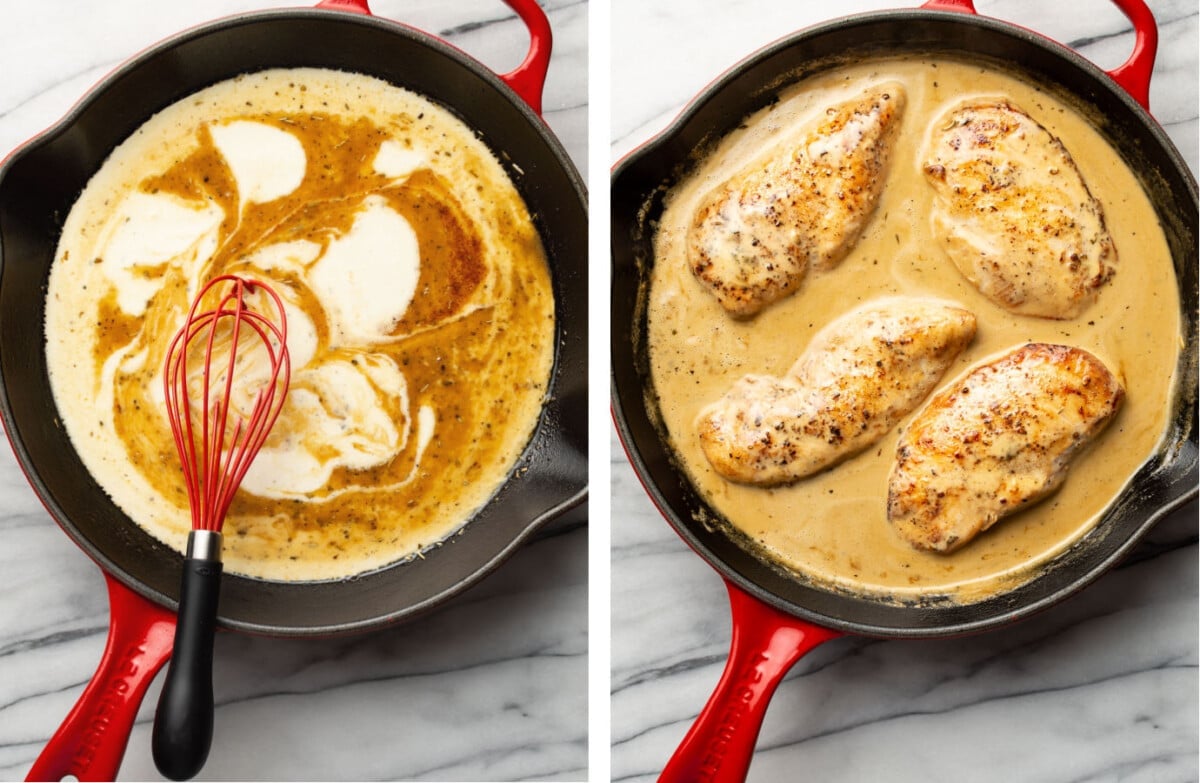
(529, 78)
(91, 742)
(1134, 74)
(766, 643)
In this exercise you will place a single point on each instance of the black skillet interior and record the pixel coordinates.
(640, 182)
(40, 183)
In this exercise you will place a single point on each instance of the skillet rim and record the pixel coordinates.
(1180, 486)
(550, 429)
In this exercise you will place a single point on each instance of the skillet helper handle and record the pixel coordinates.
(350, 6)
(91, 741)
(766, 643)
(1133, 75)
(529, 78)
(183, 723)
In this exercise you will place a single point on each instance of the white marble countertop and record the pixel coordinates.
(1102, 687)
(491, 687)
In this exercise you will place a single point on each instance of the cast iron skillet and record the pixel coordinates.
(776, 617)
(38, 185)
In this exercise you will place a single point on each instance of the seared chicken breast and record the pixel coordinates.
(801, 205)
(1015, 215)
(995, 441)
(858, 377)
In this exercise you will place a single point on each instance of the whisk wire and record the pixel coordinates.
(213, 444)
(214, 468)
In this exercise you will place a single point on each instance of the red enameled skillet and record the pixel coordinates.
(778, 618)
(39, 183)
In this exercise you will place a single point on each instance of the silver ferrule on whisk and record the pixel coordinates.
(204, 545)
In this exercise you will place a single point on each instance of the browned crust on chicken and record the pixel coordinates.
(805, 204)
(995, 441)
(858, 377)
(1014, 211)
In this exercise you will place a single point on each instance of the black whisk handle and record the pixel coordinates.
(183, 724)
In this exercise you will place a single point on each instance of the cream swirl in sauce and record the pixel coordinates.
(418, 300)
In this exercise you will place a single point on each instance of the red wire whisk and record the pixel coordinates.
(225, 379)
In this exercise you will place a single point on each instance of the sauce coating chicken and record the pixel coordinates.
(803, 204)
(858, 377)
(995, 441)
(1015, 215)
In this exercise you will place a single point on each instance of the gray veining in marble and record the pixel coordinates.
(1102, 687)
(492, 687)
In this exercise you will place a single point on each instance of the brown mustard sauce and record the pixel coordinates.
(480, 371)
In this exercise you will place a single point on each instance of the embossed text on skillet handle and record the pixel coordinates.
(90, 743)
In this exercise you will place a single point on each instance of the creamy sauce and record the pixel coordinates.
(419, 308)
(831, 528)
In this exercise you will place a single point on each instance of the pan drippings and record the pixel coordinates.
(831, 527)
(419, 305)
